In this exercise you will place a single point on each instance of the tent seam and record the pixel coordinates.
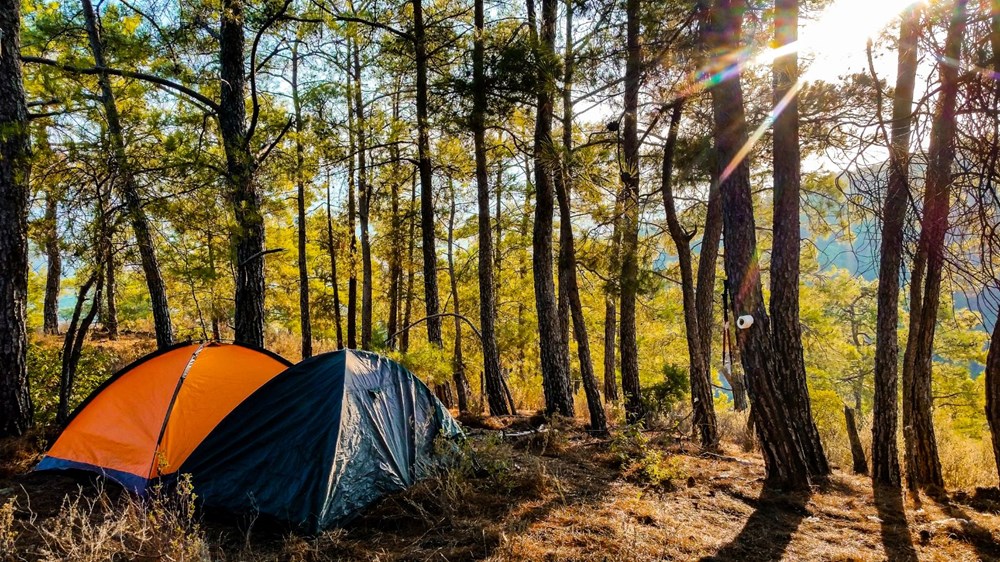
(170, 407)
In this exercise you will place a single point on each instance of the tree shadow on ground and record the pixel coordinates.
(770, 528)
(968, 531)
(896, 537)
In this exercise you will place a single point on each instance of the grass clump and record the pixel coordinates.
(642, 463)
(93, 527)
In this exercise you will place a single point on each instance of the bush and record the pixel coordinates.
(97, 364)
(163, 527)
(660, 399)
(8, 533)
(642, 463)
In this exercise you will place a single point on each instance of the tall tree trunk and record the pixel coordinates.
(431, 305)
(993, 356)
(552, 348)
(53, 273)
(628, 346)
(916, 294)
(305, 324)
(885, 457)
(567, 250)
(332, 246)
(926, 467)
(857, 450)
(785, 464)
(611, 295)
(110, 276)
(15, 167)
(396, 234)
(404, 339)
(786, 330)
(498, 226)
(241, 189)
(395, 267)
(492, 377)
(364, 203)
(527, 216)
(352, 212)
(129, 186)
(214, 274)
(702, 401)
(76, 333)
(993, 392)
(458, 364)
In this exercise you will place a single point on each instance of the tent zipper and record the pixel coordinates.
(170, 408)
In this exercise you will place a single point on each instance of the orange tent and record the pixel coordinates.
(146, 419)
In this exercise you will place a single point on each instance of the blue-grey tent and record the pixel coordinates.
(321, 441)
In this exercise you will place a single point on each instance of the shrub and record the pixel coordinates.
(8, 533)
(643, 463)
(93, 527)
(661, 399)
(97, 364)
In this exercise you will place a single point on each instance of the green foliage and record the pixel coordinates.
(430, 363)
(661, 397)
(642, 462)
(97, 364)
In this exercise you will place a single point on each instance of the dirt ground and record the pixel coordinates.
(563, 495)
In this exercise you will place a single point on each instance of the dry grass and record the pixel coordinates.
(556, 495)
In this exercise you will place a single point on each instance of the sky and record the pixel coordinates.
(834, 42)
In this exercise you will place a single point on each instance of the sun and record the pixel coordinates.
(836, 39)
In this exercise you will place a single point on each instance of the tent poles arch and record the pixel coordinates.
(170, 408)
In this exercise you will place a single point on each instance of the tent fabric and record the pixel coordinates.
(145, 421)
(321, 441)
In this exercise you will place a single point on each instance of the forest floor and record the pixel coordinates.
(557, 495)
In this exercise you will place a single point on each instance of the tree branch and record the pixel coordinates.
(162, 82)
(255, 99)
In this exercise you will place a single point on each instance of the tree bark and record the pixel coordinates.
(130, 188)
(926, 466)
(702, 401)
(567, 250)
(364, 205)
(993, 392)
(305, 324)
(110, 276)
(611, 295)
(241, 189)
(332, 246)
(708, 259)
(216, 313)
(552, 348)
(784, 462)
(458, 362)
(431, 304)
(396, 234)
(76, 333)
(352, 212)
(404, 338)
(786, 330)
(857, 451)
(53, 273)
(492, 377)
(993, 356)
(628, 346)
(916, 291)
(15, 167)
(885, 457)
